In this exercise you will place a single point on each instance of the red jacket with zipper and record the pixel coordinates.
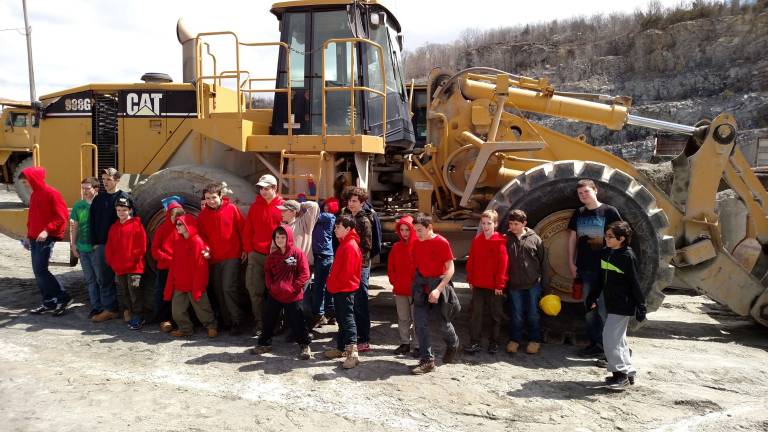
(162, 242)
(487, 263)
(47, 209)
(189, 268)
(222, 230)
(126, 246)
(286, 272)
(263, 218)
(347, 265)
(400, 266)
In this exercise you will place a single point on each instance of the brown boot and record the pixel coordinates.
(424, 367)
(126, 315)
(533, 348)
(104, 316)
(512, 347)
(450, 354)
(334, 353)
(352, 359)
(213, 332)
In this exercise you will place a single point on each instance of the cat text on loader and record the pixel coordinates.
(482, 152)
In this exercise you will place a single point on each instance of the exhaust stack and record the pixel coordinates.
(187, 41)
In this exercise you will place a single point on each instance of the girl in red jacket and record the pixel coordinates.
(124, 253)
(162, 252)
(343, 281)
(400, 270)
(187, 280)
(487, 276)
(286, 271)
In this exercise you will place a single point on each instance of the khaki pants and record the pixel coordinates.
(129, 286)
(405, 326)
(180, 307)
(255, 284)
(480, 298)
(224, 277)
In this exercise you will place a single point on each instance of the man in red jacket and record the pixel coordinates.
(188, 278)
(124, 253)
(286, 272)
(263, 218)
(343, 281)
(45, 225)
(221, 228)
(487, 276)
(162, 252)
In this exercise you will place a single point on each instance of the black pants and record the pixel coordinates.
(345, 317)
(294, 317)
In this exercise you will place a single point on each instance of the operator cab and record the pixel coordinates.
(305, 26)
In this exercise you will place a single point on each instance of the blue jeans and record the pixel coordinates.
(105, 279)
(523, 306)
(345, 316)
(50, 288)
(89, 274)
(362, 314)
(322, 301)
(595, 319)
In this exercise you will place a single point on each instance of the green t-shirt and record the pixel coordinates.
(80, 213)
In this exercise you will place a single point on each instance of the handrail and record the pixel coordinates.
(95, 153)
(238, 74)
(352, 87)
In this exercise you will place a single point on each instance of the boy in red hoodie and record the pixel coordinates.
(286, 272)
(221, 228)
(124, 253)
(263, 218)
(162, 252)
(487, 276)
(45, 225)
(400, 270)
(343, 281)
(187, 280)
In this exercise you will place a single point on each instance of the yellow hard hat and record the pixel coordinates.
(550, 304)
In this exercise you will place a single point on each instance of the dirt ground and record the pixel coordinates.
(700, 368)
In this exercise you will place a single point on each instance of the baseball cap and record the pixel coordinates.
(267, 180)
(123, 202)
(290, 205)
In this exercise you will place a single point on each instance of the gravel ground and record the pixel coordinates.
(700, 368)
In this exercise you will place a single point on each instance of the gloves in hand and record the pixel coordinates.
(640, 313)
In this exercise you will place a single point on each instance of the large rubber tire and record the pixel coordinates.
(186, 181)
(23, 192)
(551, 187)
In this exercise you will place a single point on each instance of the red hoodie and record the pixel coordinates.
(487, 263)
(47, 209)
(263, 218)
(189, 268)
(162, 242)
(126, 246)
(400, 266)
(287, 272)
(347, 265)
(222, 230)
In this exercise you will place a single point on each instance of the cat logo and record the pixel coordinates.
(143, 104)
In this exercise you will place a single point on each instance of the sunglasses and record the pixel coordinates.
(179, 225)
(610, 236)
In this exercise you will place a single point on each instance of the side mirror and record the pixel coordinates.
(399, 39)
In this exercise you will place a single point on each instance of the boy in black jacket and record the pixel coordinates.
(623, 300)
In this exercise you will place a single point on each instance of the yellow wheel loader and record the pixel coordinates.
(341, 115)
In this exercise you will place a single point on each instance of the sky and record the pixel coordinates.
(75, 42)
